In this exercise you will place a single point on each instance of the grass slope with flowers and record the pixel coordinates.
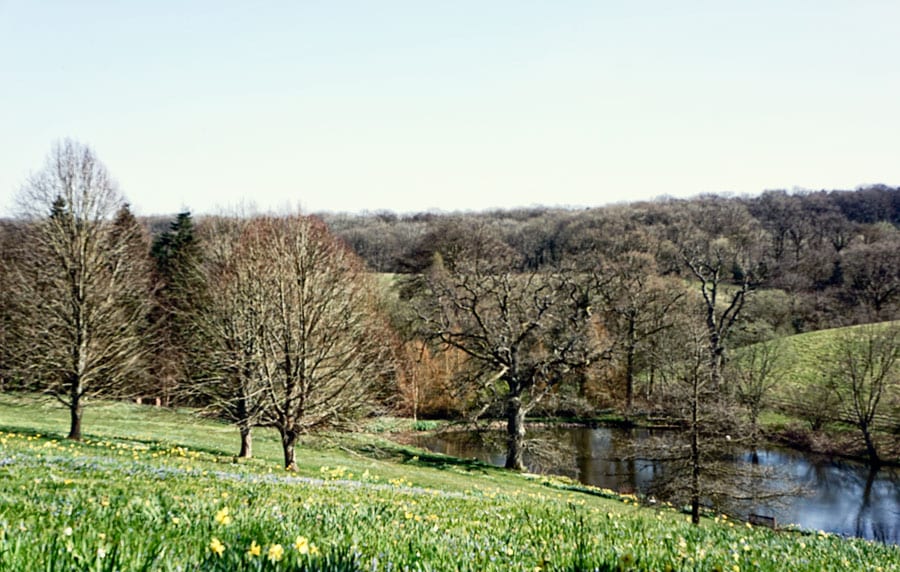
(152, 489)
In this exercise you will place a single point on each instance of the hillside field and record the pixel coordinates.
(152, 489)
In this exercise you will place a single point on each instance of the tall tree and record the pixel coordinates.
(82, 281)
(702, 463)
(180, 350)
(233, 320)
(637, 304)
(319, 341)
(9, 338)
(525, 332)
(720, 245)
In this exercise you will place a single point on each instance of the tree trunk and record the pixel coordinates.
(874, 459)
(695, 454)
(288, 439)
(629, 370)
(715, 364)
(245, 425)
(75, 412)
(515, 433)
(246, 443)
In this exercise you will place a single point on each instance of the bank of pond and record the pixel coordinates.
(771, 485)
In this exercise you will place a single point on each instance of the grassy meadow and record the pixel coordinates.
(803, 357)
(152, 489)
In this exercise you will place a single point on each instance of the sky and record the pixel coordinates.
(333, 105)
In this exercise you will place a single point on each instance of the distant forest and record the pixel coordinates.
(835, 255)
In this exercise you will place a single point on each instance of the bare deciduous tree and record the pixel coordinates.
(716, 265)
(638, 305)
(703, 465)
(233, 321)
(82, 281)
(319, 343)
(756, 371)
(863, 373)
(525, 332)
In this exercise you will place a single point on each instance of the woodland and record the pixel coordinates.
(671, 311)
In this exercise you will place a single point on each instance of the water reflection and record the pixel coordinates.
(842, 497)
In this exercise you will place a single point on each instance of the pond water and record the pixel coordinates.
(838, 496)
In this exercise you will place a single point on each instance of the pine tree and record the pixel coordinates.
(180, 295)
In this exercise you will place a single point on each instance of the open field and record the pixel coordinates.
(805, 353)
(803, 357)
(152, 489)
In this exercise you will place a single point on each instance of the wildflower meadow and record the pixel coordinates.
(147, 503)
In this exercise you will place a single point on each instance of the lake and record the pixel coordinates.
(819, 493)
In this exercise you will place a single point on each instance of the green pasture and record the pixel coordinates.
(151, 489)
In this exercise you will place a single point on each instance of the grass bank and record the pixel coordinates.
(153, 489)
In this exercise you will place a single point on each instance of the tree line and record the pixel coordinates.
(670, 309)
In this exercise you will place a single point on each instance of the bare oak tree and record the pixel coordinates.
(82, 281)
(525, 332)
(724, 284)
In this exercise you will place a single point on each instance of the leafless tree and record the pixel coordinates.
(864, 373)
(82, 282)
(756, 370)
(727, 270)
(525, 333)
(637, 304)
(702, 464)
(318, 342)
(233, 322)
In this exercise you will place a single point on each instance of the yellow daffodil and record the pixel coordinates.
(276, 552)
(254, 550)
(216, 546)
(302, 545)
(222, 517)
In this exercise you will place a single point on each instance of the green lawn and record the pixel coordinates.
(152, 489)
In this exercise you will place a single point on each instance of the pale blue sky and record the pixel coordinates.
(418, 104)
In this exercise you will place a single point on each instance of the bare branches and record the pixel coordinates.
(864, 369)
(533, 328)
(297, 329)
(82, 279)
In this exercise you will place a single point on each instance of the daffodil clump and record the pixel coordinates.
(104, 505)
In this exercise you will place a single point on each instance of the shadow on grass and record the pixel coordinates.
(423, 458)
(89, 440)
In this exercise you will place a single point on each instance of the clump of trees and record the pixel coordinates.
(297, 336)
(262, 320)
